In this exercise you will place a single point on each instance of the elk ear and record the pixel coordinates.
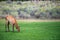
(18, 29)
(18, 26)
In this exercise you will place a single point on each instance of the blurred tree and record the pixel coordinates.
(9, 1)
(2, 0)
(32, 13)
(37, 16)
(6, 12)
(31, 0)
(19, 2)
(19, 13)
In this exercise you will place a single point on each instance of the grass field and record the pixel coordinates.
(32, 31)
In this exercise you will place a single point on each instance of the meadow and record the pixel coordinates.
(31, 31)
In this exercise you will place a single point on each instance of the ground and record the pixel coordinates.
(32, 30)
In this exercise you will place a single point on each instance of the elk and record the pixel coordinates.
(11, 20)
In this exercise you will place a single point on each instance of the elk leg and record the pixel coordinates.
(8, 26)
(13, 27)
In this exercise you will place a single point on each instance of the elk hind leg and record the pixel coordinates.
(8, 26)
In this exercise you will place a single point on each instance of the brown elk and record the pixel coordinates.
(11, 20)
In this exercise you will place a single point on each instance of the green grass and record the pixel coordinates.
(32, 31)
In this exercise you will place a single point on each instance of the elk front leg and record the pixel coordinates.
(6, 25)
(13, 28)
